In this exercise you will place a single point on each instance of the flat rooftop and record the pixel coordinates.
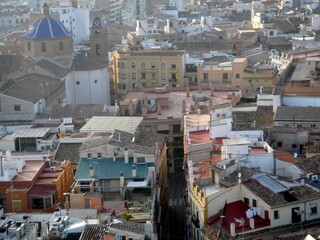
(175, 99)
(29, 171)
(109, 124)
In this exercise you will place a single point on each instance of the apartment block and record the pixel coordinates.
(150, 68)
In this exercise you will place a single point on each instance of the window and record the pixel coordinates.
(143, 65)
(163, 65)
(276, 214)
(237, 75)
(279, 144)
(122, 65)
(163, 76)
(313, 208)
(16, 205)
(254, 203)
(154, 76)
(271, 33)
(141, 160)
(17, 108)
(225, 76)
(29, 46)
(98, 50)
(133, 75)
(299, 125)
(89, 155)
(143, 76)
(123, 76)
(121, 237)
(246, 200)
(313, 125)
(61, 45)
(43, 47)
(99, 155)
(174, 76)
(294, 145)
(173, 66)
(286, 125)
(133, 65)
(153, 65)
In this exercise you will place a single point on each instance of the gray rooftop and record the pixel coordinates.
(304, 114)
(33, 87)
(31, 133)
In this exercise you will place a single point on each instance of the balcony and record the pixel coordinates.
(173, 69)
(150, 70)
(173, 80)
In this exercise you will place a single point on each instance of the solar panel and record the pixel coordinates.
(271, 184)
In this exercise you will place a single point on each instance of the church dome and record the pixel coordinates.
(47, 28)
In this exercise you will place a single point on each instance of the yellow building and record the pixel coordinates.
(147, 68)
(237, 74)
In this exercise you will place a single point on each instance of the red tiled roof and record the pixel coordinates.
(42, 190)
(204, 167)
(198, 137)
(238, 210)
(284, 156)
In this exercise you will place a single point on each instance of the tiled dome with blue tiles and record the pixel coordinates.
(47, 28)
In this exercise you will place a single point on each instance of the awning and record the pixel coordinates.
(42, 190)
(140, 184)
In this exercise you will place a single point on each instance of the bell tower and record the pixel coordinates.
(98, 40)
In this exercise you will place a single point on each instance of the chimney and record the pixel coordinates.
(126, 155)
(211, 90)
(159, 109)
(210, 104)
(251, 222)
(188, 91)
(196, 104)
(91, 171)
(130, 108)
(134, 170)
(184, 106)
(144, 110)
(232, 229)
(121, 182)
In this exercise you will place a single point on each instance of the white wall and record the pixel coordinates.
(217, 201)
(301, 101)
(88, 91)
(286, 169)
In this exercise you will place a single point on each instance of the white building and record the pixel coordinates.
(76, 20)
(133, 10)
(88, 82)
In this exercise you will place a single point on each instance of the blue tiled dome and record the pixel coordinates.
(47, 28)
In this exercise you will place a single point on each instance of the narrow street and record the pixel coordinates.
(176, 215)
